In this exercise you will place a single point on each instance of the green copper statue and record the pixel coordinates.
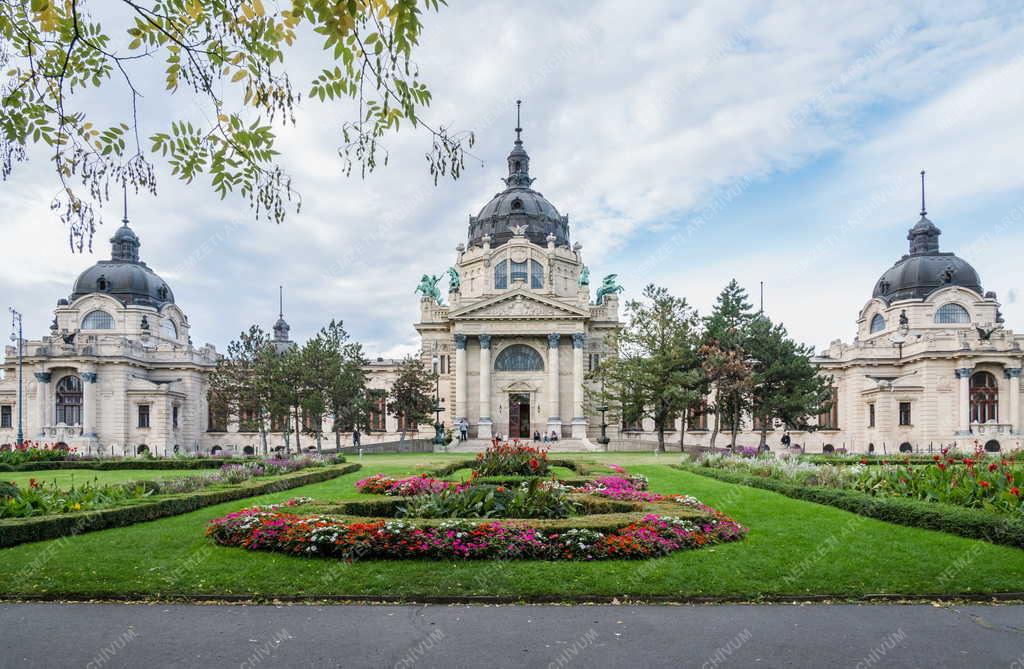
(608, 287)
(454, 281)
(428, 287)
(585, 276)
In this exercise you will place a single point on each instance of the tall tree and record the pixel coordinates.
(243, 380)
(411, 397)
(656, 371)
(346, 390)
(724, 334)
(320, 367)
(785, 385)
(229, 58)
(289, 380)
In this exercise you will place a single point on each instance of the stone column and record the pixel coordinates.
(964, 376)
(554, 406)
(484, 427)
(460, 379)
(88, 404)
(1013, 375)
(579, 421)
(43, 412)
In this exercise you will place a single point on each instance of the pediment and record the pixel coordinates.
(518, 305)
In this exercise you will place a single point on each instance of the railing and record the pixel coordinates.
(991, 428)
(62, 432)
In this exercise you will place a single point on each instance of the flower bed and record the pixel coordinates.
(512, 459)
(652, 535)
(378, 484)
(31, 451)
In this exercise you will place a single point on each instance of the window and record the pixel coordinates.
(411, 424)
(830, 419)
(278, 421)
(877, 323)
(593, 362)
(217, 416)
(905, 413)
(519, 271)
(984, 398)
(143, 415)
(378, 411)
(6, 416)
(536, 274)
(871, 415)
(98, 320)
(698, 418)
(69, 400)
(442, 365)
(248, 419)
(174, 417)
(952, 313)
(519, 358)
(501, 275)
(168, 329)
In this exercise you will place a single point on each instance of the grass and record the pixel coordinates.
(66, 477)
(794, 548)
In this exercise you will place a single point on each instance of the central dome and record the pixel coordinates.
(124, 276)
(517, 206)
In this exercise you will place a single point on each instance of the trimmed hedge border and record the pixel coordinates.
(106, 465)
(453, 467)
(23, 530)
(970, 523)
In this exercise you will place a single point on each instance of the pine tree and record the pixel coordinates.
(411, 397)
(242, 380)
(346, 390)
(657, 370)
(724, 334)
(786, 387)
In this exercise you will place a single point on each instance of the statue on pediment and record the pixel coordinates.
(609, 286)
(428, 287)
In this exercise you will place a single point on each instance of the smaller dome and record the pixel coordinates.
(124, 276)
(925, 269)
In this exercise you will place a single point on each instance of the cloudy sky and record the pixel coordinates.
(689, 143)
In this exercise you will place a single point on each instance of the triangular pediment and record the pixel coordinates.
(518, 304)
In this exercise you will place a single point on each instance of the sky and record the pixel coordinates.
(689, 143)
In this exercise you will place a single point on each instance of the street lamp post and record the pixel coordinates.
(16, 323)
(603, 408)
(438, 425)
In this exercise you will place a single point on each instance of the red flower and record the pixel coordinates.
(992, 467)
(1015, 491)
(983, 484)
(533, 463)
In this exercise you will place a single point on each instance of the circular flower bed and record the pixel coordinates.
(632, 524)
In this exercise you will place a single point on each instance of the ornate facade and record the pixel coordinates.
(520, 332)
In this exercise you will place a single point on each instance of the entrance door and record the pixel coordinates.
(519, 416)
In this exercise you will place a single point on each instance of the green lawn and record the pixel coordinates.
(66, 477)
(794, 548)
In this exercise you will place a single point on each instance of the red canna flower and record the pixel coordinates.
(983, 484)
(1015, 491)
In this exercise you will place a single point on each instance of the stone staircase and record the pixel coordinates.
(560, 446)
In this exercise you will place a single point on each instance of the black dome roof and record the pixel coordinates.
(124, 276)
(518, 205)
(925, 269)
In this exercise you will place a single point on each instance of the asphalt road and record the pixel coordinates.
(709, 637)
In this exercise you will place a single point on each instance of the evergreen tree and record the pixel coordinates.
(724, 335)
(346, 392)
(657, 371)
(786, 387)
(242, 382)
(411, 397)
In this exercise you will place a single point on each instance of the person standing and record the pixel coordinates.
(463, 430)
(356, 438)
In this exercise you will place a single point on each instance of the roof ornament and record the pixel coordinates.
(124, 192)
(924, 212)
(519, 128)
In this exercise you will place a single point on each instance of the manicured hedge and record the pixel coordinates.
(453, 467)
(22, 530)
(971, 523)
(106, 465)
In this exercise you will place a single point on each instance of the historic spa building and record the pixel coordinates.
(931, 366)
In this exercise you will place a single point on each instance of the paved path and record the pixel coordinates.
(708, 637)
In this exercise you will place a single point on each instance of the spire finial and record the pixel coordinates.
(519, 128)
(923, 210)
(280, 301)
(124, 188)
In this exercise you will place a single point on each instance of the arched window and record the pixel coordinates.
(519, 358)
(69, 400)
(518, 271)
(501, 275)
(536, 274)
(984, 398)
(168, 329)
(905, 447)
(877, 323)
(98, 320)
(952, 313)
(992, 446)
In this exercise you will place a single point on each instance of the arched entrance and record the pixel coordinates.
(905, 447)
(984, 398)
(828, 448)
(215, 450)
(248, 450)
(142, 449)
(992, 446)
